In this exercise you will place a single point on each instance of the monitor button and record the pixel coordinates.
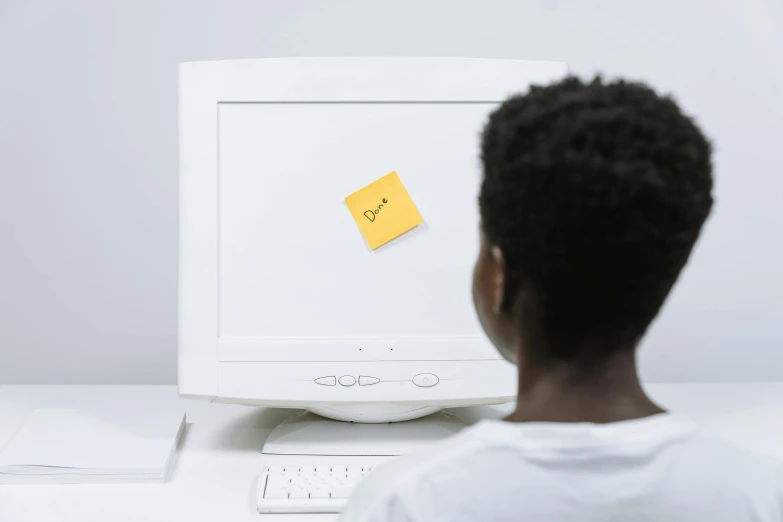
(347, 380)
(425, 380)
(326, 381)
(367, 381)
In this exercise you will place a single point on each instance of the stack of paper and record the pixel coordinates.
(77, 446)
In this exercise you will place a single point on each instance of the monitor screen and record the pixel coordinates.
(292, 261)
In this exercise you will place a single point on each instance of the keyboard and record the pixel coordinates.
(318, 485)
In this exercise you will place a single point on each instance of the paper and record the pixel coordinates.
(383, 210)
(62, 445)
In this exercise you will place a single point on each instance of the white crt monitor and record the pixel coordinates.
(281, 301)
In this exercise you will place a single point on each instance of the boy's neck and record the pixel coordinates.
(610, 393)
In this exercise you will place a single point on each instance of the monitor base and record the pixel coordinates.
(374, 412)
(310, 434)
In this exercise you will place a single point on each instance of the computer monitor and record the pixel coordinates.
(281, 300)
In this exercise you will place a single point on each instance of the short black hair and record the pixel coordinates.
(595, 193)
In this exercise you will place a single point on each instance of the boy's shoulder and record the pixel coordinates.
(403, 470)
(494, 456)
(389, 483)
(706, 451)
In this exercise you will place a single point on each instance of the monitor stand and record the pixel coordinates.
(310, 434)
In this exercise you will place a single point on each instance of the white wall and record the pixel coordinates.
(88, 157)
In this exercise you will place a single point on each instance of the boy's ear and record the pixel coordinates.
(498, 279)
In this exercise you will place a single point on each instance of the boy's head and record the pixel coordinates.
(592, 198)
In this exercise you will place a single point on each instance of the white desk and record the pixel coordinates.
(220, 457)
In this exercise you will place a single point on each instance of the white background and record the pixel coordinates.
(88, 157)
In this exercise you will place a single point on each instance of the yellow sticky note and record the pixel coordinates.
(383, 210)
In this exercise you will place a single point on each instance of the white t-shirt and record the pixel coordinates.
(656, 469)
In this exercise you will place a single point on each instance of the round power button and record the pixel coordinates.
(425, 380)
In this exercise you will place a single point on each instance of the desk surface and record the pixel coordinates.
(220, 458)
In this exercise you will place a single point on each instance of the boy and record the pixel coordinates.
(592, 198)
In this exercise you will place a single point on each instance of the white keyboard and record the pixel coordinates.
(320, 485)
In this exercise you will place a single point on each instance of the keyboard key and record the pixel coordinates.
(298, 493)
(276, 486)
(319, 493)
(342, 492)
